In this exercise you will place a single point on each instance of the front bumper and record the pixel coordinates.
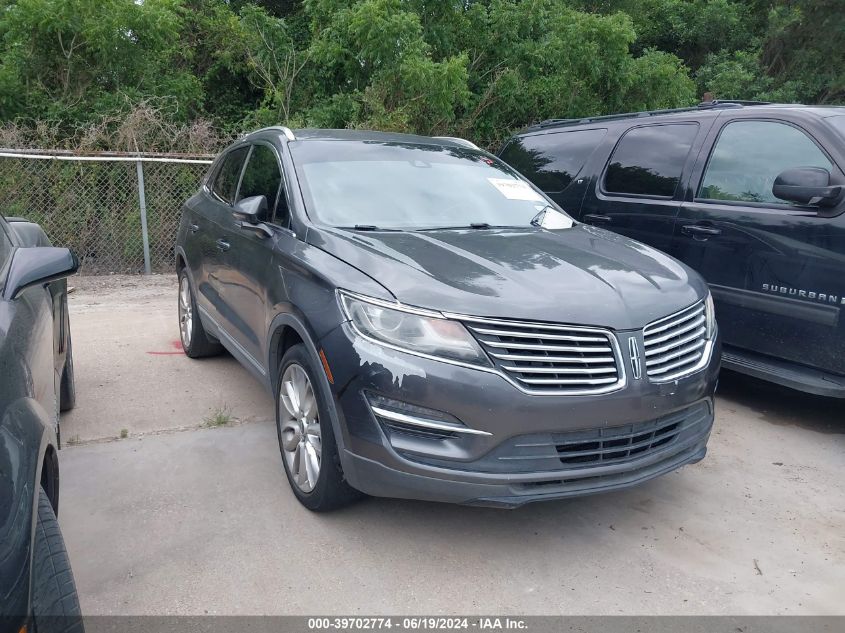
(491, 468)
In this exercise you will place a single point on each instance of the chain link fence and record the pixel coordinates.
(119, 213)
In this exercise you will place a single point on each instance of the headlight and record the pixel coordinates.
(709, 317)
(416, 331)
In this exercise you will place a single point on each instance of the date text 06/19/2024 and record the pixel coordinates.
(416, 623)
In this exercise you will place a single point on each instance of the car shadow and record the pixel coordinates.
(782, 406)
(644, 513)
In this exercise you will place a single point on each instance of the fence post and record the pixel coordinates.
(142, 198)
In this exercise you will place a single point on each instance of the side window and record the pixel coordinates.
(552, 161)
(226, 181)
(648, 160)
(748, 157)
(263, 178)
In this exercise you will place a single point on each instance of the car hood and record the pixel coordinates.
(582, 275)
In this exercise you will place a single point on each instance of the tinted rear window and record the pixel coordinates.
(552, 161)
(648, 160)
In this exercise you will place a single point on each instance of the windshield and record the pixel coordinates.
(378, 185)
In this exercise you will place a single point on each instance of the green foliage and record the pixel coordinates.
(475, 68)
(71, 59)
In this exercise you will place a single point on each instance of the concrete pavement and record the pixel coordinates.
(202, 520)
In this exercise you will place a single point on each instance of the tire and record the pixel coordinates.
(55, 604)
(195, 342)
(67, 392)
(328, 490)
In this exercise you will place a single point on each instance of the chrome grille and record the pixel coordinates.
(675, 345)
(551, 358)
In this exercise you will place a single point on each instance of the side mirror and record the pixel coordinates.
(251, 210)
(38, 265)
(807, 185)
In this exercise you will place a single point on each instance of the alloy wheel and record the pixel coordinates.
(300, 427)
(186, 312)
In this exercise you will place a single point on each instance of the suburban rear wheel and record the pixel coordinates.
(195, 341)
(55, 604)
(306, 439)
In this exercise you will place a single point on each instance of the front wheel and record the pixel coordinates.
(306, 439)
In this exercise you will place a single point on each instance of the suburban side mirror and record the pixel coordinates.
(251, 210)
(38, 265)
(807, 185)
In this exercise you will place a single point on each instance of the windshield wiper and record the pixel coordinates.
(366, 227)
(471, 225)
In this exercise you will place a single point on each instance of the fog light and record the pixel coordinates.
(403, 417)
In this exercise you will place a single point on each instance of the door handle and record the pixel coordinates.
(598, 219)
(700, 231)
(193, 228)
(223, 245)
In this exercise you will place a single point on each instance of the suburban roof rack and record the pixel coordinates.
(704, 105)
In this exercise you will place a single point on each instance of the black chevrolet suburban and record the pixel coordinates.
(750, 195)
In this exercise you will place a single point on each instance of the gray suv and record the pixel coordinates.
(433, 326)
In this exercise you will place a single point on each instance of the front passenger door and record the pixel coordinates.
(775, 268)
(251, 259)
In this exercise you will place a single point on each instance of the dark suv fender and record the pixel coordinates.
(24, 424)
(294, 321)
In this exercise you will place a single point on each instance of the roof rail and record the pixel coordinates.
(283, 129)
(704, 105)
(742, 102)
(459, 141)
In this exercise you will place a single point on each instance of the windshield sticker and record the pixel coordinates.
(515, 189)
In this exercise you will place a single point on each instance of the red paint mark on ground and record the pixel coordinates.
(176, 345)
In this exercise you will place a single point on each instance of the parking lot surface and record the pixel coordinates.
(190, 512)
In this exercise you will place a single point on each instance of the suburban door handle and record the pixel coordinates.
(223, 245)
(700, 231)
(193, 228)
(598, 219)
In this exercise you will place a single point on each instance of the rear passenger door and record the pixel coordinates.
(639, 192)
(213, 225)
(776, 269)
